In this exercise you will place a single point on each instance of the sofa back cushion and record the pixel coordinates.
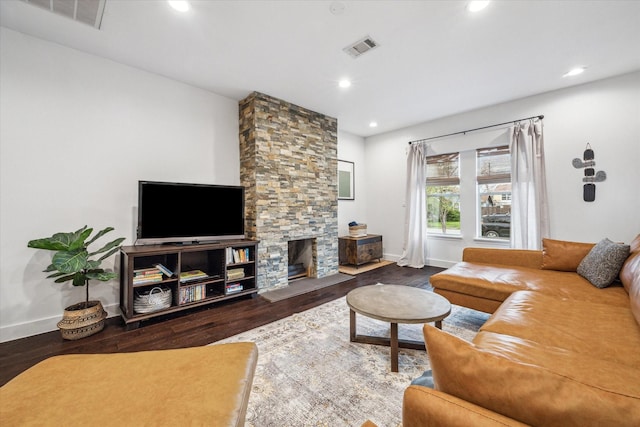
(563, 255)
(630, 277)
(528, 393)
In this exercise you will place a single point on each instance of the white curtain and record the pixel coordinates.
(529, 205)
(415, 242)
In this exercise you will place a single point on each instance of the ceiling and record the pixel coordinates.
(434, 58)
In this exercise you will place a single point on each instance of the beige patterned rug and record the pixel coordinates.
(310, 374)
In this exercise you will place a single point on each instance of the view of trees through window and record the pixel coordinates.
(493, 178)
(443, 194)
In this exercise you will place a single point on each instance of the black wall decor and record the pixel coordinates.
(590, 175)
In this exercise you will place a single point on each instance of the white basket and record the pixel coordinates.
(153, 300)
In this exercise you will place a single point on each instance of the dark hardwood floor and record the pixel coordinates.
(197, 327)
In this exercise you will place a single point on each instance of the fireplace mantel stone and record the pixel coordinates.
(288, 165)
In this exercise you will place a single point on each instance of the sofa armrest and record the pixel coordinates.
(515, 257)
(426, 407)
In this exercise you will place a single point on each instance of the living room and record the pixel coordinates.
(78, 131)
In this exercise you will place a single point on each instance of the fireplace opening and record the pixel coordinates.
(301, 259)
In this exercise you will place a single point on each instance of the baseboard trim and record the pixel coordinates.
(41, 326)
(431, 262)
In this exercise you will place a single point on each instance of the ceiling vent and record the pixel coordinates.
(361, 46)
(85, 11)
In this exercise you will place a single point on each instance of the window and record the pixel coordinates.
(443, 194)
(493, 168)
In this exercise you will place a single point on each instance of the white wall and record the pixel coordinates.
(351, 148)
(77, 133)
(605, 114)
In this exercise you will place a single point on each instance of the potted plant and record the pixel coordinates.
(71, 262)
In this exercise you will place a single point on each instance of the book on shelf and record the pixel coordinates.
(235, 273)
(188, 276)
(146, 275)
(150, 278)
(164, 270)
(146, 271)
(234, 287)
(192, 293)
(237, 255)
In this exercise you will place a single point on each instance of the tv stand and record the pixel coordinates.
(160, 279)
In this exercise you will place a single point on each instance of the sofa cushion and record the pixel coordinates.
(207, 385)
(563, 255)
(609, 331)
(426, 407)
(531, 394)
(602, 264)
(497, 282)
(587, 368)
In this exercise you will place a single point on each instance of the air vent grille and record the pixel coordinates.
(361, 46)
(85, 11)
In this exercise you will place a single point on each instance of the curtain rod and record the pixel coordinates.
(471, 130)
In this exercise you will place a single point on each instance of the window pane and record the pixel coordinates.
(494, 165)
(443, 169)
(495, 210)
(443, 209)
(493, 171)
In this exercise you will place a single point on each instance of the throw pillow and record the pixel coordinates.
(602, 264)
(425, 380)
(562, 255)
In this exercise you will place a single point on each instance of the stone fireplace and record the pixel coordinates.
(301, 259)
(288, 166)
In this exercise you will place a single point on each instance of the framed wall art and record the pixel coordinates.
(346, 188)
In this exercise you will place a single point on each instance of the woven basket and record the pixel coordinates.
(78, 322)
(153, 300)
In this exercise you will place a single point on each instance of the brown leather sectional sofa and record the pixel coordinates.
(557, 350)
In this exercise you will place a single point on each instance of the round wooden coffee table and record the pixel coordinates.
(395, 304)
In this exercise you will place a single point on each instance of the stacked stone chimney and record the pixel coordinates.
(288, 166)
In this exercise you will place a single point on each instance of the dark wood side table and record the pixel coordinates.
(359, 250)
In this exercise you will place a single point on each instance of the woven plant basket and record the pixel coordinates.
(79, 322)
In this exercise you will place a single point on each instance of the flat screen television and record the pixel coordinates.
(174, 212)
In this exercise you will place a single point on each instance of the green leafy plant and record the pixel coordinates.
(72, 258)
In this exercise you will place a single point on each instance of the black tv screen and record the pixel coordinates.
(189, 213)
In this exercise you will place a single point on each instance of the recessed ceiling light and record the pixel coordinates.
(477, 5)
(180, 6)
(344, 83)
(373, 124)
(574, 72)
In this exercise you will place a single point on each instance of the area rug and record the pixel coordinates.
(310, 374)
(353, 270)
(302, 286)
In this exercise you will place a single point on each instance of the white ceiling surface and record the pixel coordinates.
(434, 58)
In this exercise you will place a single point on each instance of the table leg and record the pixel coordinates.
(394, 347)
(352, 326)
(439, 324)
